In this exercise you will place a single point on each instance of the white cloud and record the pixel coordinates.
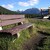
(23, 4)
(8, 6)
(28, 3)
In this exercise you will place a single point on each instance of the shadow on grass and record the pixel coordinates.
(44, 33)
(5, 39)
(41, 42)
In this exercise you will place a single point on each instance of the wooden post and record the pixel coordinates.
(49, 10)
(41, 13)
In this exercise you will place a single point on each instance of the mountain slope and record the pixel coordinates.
(31, 11)
(6, 11)
(34, 11)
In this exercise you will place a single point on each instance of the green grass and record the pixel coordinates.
(17, 44)
(9, 26)
(13, 43)
(41, 25)
(47, 43)
(44, 26)
(6, 41)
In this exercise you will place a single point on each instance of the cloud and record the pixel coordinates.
(8, 6)
(23, 4)
(28, 3)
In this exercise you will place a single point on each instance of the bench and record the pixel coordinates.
(13, 19)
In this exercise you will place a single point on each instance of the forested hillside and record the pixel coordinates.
(6, 11)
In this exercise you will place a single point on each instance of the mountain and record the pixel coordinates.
(27, 11)
(31, 11)
(6, 11)
(34, 11)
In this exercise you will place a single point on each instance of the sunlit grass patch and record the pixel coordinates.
(17, 44)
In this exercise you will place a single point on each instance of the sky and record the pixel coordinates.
(22, 5)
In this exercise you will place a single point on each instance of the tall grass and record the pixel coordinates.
(44, 26)
(17, 44)
(8, 42)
